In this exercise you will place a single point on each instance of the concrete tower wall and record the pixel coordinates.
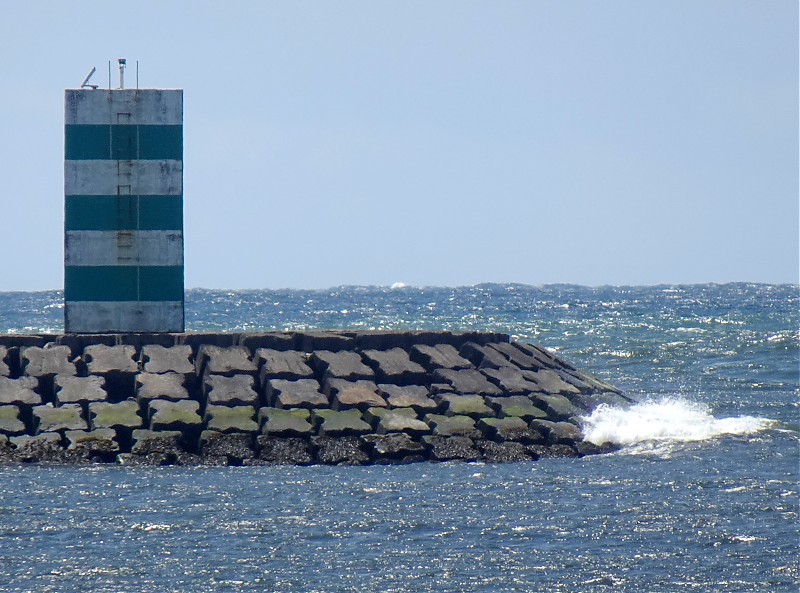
(123, 211)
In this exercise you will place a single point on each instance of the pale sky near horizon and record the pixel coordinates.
(431, 143)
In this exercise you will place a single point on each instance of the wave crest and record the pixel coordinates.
(666, 420)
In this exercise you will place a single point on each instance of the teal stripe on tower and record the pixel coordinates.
(123, 211)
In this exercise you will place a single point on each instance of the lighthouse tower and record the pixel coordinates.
(123, 210)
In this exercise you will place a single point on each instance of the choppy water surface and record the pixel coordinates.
(703, 496)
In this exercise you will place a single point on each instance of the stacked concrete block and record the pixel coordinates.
(117, 365)
(222, 399)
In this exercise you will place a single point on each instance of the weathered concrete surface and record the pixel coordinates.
(353, 394)
(19, 391)
(74, 390)
(394, 366)
(275, 364)
(302, 393)
(409, 396)
(290, 397)
(341, 365)
(439, 356)
(65, 417)
(340, 423)
(49, 360)
(174, 359)
(230, 391)
(168, 385)
(234, 360)
(227, 419)
(11, 423)
(280, 422)
(402, 420)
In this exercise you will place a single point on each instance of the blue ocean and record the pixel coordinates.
(702, 496)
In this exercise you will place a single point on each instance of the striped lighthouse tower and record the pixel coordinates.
(123, 194)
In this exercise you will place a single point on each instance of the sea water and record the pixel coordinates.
(703, 495)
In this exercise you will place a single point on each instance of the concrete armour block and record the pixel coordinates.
(274, 364)
(558, 433)
(48, 360)
(510, 380)
(518, 406)
(464, 405)
(119, 416)
(467, 381)
(340, 423)
(303, 393)
(294, 451)
(345, 450)
(169, 386)
(117, 365)
(452, 425)
(324, 340)
(181, 415)
(341, 365)
(353, 394)
(103, 360)
(452, 448)
(10, 421)
(226, 419)
(280, 422)
(517, 357)
(174, 359)
(19, 391)
(557, 407)
(230, 391)
(483, 356)
(46, 418)
(397, 420)
(549, 382)
(440, 356)
(73, 390)
(509, 429)
(233, 360)
(394, 366)
(409, 396)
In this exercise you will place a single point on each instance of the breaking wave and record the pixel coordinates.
(668, 420)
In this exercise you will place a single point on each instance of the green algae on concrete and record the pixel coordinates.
(519, 406)
(464, 405)
(452, 425)
(180, 415)
(66, 417)
(231, 419)
(344, 422)
(124, 415)
(10, 423)
(397, 420)
(280, 422)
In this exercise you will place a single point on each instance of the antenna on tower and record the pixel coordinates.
(85, 84)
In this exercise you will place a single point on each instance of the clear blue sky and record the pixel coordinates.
(447, 143)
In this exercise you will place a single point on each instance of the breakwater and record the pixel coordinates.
(290, 397)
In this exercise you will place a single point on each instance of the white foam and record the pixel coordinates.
(666, 420)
